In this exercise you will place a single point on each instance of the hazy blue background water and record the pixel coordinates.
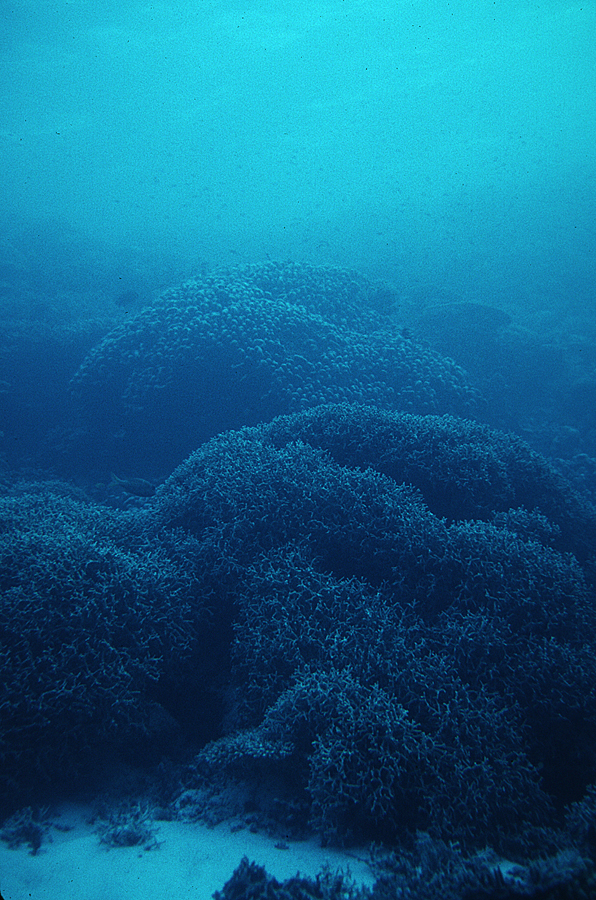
(446, 148)
(447, 145)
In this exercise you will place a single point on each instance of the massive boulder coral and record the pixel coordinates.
(241, 346)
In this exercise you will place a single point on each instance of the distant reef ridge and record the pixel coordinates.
(240, 346)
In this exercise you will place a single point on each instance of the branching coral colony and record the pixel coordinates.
(387, 669)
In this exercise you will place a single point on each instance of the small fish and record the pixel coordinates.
(140, 487)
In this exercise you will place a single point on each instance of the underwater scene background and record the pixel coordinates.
(298, 430)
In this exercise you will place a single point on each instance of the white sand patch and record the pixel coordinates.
(191, 861)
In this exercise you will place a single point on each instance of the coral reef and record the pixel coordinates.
(88, 624)
(127, 825)
(466, 641)
(337, 610)
(431, 869)
(240, 346)
(463, 469)
(26, 826)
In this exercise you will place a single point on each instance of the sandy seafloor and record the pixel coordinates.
(190, 860)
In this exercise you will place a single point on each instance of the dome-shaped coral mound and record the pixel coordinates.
(238, 347)
(295, 598)
(463, 469)
(395, 670)
(91, 621)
